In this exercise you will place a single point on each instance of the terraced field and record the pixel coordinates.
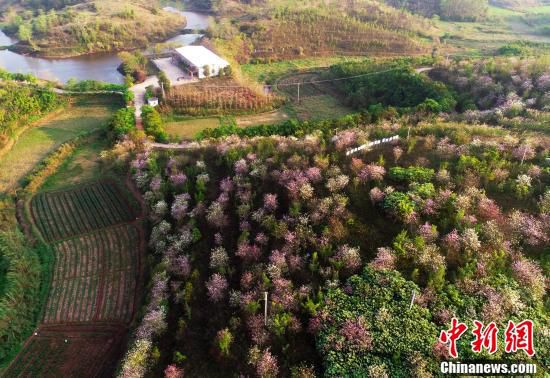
(95, 277)
(97, 239)
(63, 214)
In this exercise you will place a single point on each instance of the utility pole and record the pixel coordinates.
(524, 153)
(412, 299)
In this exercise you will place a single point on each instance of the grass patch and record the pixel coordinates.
(83, 165)
(545, 9)
(268, 73)
(188, 128)
(319, 107)
(501, 12)
(503, 26)
(35, 144)
(270, 118)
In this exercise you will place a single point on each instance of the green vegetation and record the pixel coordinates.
(288, 128)
(378, 344)
(317, 28)
(134, 66)
(411, 174)
(394, 85)
(153, 124)
(99, 86)
(123, 122)
(20, 105)
(83, 165)
(25, 286)
(94, 284)
(188, 128)
(89, 27)
(457, 10)
(83, 116)
(49, 165)
(269, 72)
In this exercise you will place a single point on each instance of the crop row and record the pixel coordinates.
(63, 356)
(216, 99)
(94, 277)
(60, 215)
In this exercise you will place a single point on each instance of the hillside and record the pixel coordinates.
(90, 26)
(340, 244)
(456, 10)
(366, 181)
(274, 31)
(518, 4)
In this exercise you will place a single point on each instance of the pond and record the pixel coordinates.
(101, 66)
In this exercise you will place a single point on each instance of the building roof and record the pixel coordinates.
(200, 56)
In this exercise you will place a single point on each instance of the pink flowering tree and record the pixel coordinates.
(217, 287)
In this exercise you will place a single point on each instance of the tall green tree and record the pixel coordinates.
(24, 33)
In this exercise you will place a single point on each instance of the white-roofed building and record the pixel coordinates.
(199, 61)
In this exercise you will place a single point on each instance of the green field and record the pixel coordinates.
(83, 165)
(503, 26)
(316, 101)
(36, 143)
(319, 107)
(269, 72)
(188, 128)
(498, 11)
(269, 118)
(545, 9)
(89, 207)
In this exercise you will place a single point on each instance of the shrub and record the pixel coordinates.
(224, 339)
(399, 87)
(123, 122)
(399, 204)
(412, 174)
(152, 124)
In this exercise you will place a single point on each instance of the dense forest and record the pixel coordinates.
(365, 256)
(298, 219)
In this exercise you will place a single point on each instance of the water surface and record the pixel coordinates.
(100, 66)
